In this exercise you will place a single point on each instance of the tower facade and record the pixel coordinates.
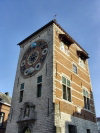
(52, 91)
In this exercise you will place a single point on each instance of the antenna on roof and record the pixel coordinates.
(55, 16)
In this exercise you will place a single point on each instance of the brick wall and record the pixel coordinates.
(5, 109)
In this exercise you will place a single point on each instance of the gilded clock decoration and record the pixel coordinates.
(34, 58)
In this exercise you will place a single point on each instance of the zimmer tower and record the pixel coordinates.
(52, 91)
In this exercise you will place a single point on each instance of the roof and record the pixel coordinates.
(45, 26)
(5, 99)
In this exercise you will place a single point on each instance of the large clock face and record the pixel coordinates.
(33, 58)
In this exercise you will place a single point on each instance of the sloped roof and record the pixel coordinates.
(5, 99)
(45, 26)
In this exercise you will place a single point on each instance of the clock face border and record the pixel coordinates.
(34, 58)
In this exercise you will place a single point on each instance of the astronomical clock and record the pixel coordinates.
(33, 58)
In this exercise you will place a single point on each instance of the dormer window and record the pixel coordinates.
(81, 62)
(82, 58)
(82, 55)
(65, 39)
(64, 48)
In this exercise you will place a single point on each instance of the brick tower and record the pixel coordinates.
(52, 91)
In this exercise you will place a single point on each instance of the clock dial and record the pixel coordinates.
(34, 58)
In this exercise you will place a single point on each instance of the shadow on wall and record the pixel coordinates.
(73, 124)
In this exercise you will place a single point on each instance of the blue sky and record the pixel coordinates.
(20, 18)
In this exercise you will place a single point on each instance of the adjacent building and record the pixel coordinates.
(52, 91)
(5, 103)
(98, 124)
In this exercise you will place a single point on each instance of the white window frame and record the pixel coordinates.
(82, 63)
(62, 48)
(73, 68)
(87, 97)
(67, 89)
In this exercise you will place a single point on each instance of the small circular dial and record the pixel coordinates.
(34, 58)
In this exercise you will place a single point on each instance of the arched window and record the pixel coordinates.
(27, 130)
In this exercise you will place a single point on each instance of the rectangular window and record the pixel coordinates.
(64, 92)
(88, 131)
(62, 46)
(86, 99)
(72, 129)
(69, 94)
(88, 103)
(66, 89)
(85, 103)
(22, 86)
(21, 96)
(39, 79)
(68, 82)
(63, 80)
(1, 118)
(21, 92)
(39, 86)
(81, 62)
(74, 68)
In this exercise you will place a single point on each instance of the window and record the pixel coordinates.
(27, 130)
(88, 131)
(39, 79)
(81, 62)
(39, 86)
(21, 96)
(21, 92)
(74, 68)
(66, 89)
(64, 48)
(72, 129)
(22, 86)
(86, 99)
(1, 118)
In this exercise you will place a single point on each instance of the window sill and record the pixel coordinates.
(67, 101)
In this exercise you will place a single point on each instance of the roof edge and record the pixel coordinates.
(5, 103)
(36, 32)
(45, 26)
